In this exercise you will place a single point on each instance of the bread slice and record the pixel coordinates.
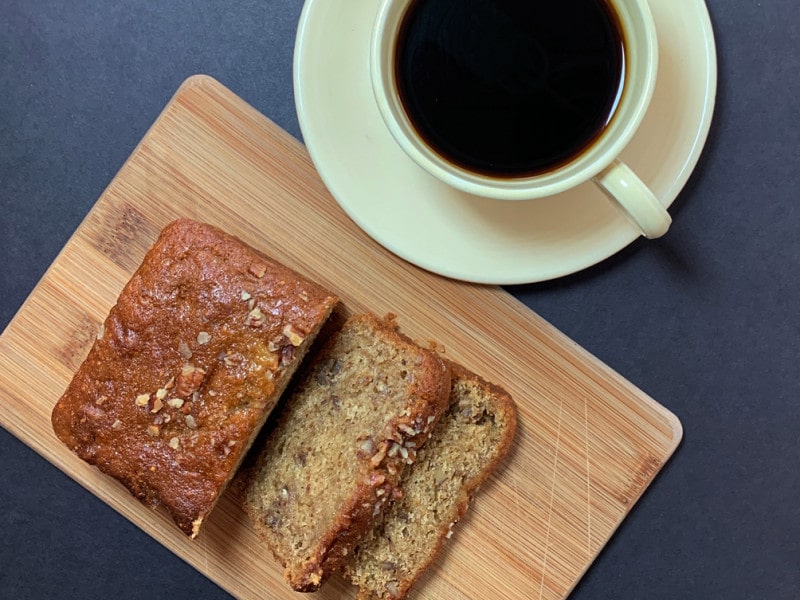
(467, 444)
(189, 363)
(360, 409)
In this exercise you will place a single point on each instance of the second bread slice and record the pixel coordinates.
(355, 418)
(465, 447)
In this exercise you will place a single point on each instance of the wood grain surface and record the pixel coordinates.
(588, 444)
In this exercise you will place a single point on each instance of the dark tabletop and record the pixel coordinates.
(705, 320)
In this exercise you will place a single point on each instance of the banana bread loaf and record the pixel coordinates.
(355, 417)
(466, 445)
(189, 363)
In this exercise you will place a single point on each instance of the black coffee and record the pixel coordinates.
(509, 88)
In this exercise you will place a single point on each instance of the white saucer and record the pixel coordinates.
(476, 239)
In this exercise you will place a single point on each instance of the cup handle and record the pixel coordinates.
(634, 198)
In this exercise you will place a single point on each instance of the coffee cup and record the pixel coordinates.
(518, 100)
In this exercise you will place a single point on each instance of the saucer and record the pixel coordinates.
(476, 239)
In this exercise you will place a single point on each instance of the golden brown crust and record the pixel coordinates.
(375, 459)
(189, 363)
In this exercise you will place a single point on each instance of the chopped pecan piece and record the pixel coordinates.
(189, 380)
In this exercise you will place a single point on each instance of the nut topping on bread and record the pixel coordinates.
(181, 378)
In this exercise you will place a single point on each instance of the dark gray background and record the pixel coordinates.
(705, 320)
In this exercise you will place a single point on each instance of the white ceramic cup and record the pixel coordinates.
(599, 163)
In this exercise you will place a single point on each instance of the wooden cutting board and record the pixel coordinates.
(588, 444)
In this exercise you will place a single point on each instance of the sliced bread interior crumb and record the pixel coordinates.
(351, 423)
(466, 445)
